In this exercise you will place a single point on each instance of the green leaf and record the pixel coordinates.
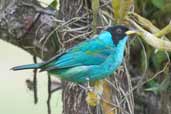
(158, 3)
(164, 86)
(120, 9)
(125, 6)
(158, 59)
(152, 86)
(116, 9)
(54, 4)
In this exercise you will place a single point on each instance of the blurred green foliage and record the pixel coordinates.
(158, 3)
(158, 12)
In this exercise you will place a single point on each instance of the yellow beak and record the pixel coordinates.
(130, 32)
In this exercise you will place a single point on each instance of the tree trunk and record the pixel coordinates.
(73, 97)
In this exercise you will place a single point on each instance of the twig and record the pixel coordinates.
(130, 99)
(49, 94)
(35, 82)
(56, 89)
(164, 31)
(40, 9)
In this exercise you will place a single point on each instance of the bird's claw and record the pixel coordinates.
(87, 88)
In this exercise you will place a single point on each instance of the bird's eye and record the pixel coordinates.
(119, 31)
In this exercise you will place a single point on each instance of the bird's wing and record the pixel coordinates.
(90, 52)
(78, 59)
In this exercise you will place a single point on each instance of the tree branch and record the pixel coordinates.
(24, 24)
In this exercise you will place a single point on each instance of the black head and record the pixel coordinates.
(118, 32)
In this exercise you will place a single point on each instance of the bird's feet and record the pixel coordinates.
(90, 88)
(87, 86)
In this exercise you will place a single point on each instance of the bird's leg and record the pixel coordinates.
(88, 85)
(88, 82)
(83, 87)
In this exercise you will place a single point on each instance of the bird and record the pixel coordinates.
(93, 59)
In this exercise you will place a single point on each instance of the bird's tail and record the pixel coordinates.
(29, 66)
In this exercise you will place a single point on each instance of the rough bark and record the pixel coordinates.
(73, 97)
(26, 24)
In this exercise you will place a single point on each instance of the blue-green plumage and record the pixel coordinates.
(92, 59)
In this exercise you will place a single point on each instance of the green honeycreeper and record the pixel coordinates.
(90, 60)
